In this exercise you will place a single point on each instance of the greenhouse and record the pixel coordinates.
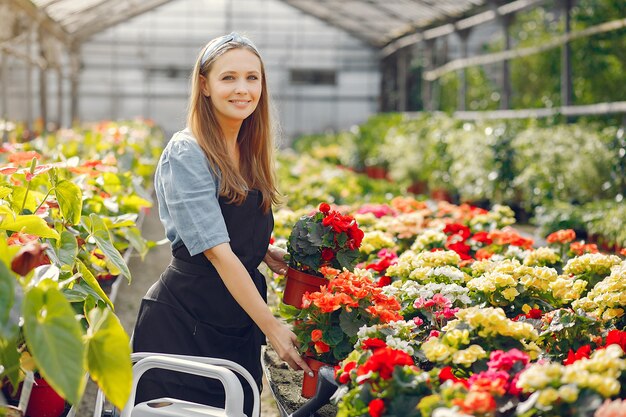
(356, 208)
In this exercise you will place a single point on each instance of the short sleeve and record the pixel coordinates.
(189, 188)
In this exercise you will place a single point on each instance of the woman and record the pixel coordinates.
(215, 188)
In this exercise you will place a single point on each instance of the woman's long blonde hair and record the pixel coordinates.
(255, 140)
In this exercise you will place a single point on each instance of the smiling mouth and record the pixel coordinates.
(240, 101)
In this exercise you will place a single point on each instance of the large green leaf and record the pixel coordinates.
(93, 282)
(67, 248)
(133, 234)
(54, 338)
(70, 198)
(101, 235)
(28, 223)
(7, 284)
(108, 356)
(10, 359)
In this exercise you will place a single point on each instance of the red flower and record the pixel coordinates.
(582, 352)
(327, 254)
(446, 375)
(482, 237)
(376, 407)
(457, 229)
(324, 208)
(373, 344)
(383, 281)
(616, 337)
(383, 361)
(534, 313)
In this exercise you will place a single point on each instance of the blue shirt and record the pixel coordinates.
(187, 192)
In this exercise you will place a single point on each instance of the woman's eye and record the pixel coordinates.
(228, 77)
(253, 77)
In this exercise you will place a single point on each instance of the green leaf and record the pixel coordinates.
(101, 235)
(5, 191)
(138, 243)
(350, 323)
(28, 223)
(70, 198)
(108, 356)
(334, 335)
(8, 328)
(93, 282)
(67, 248)
(54, 338)
(134, 203)
(10, 359)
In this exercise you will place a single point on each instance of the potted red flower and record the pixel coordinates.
(324, 238)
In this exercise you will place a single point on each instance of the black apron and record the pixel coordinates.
(189, 311)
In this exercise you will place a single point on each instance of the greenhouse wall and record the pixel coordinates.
(320, 77)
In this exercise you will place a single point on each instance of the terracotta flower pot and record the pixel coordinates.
(309, 383)
(297, 284)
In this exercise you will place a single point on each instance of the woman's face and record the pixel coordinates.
(234, 85)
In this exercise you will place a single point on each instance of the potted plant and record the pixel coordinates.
(328, 323)
(324, 238)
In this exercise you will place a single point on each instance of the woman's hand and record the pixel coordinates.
(275, 259)
(284, 342)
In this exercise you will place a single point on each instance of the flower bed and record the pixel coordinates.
(484, 314)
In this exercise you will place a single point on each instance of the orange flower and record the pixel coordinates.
(561, 236)
(321, 347)
(316, 335)
(580, 248)
(477, 402)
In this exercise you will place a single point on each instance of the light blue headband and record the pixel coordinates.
(216, 43)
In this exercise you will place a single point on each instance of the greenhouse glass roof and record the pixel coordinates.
(376, 22)
(83, 18)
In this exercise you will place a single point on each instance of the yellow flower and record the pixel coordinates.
(436, 351)
(510, 294)
(547, 397)
(456, 338)
(612, 313)
(541, 257)
(467, 357)
(569, 393)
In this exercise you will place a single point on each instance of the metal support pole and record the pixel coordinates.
(566, 65)
(29, 80)
(74, 79)
(505, 99)
(3, 79)
(462, 92)
(427, 93)
(59, 97)
(401, 75)
(43, 87)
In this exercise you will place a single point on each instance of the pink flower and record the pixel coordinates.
(441, 301)
(610, 408)
(504, 361)
(418, 321)
(446, 313)
(494, 382)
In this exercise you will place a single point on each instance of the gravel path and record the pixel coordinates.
(129, 296)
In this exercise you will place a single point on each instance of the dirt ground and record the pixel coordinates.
(128, 298)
